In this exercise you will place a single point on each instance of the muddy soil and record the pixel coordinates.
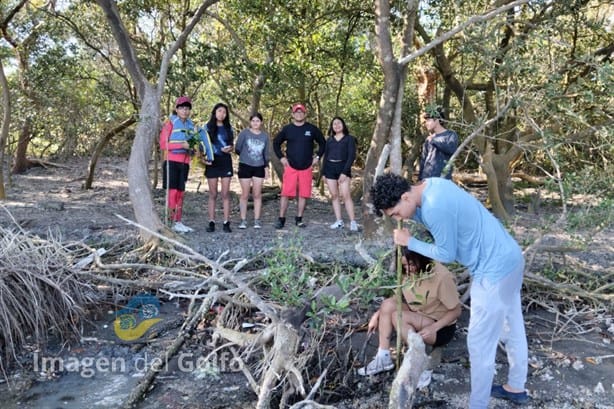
(570, 366)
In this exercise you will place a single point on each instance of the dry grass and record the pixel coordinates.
(40, 292)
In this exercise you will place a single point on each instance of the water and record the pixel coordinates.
(73, 391)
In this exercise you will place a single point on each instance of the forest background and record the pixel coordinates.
(527, 85)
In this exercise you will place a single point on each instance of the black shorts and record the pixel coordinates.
(220, 168)
(332, 170)
(177, 175)
(248, 172)
(445, 335)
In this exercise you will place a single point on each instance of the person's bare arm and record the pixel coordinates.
(448, 318)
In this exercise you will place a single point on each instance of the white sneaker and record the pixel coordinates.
(181, 228)
(377, 365)
(353, 225)
(243, 224)
(337, 225)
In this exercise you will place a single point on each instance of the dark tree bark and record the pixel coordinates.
(21, 163)
(91, 167)
(20, 44)
(6, 120)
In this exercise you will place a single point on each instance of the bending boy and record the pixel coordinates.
(466, 232)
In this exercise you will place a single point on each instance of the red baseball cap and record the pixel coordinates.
(183, 101)
(297, 107)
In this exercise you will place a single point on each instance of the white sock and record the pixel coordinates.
(383, 353)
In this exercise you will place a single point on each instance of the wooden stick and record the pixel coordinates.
(399, 296)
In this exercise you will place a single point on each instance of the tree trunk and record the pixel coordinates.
(260, 81)
(139, 187)
(100, 147)
(6, 119)
(148, 127)
(505, 187)
(390, 101)
(494, 197)
(378, 140)
(396, 157)
(21, 162)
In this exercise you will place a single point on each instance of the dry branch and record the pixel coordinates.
(414, 363)
(570, 290)
(280, 340)
(39, 291)
(280, 358)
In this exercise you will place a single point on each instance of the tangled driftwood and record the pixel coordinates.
(280, 346)
(40, 291)
(280, 339)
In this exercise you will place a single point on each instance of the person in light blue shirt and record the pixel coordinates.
(465, 231)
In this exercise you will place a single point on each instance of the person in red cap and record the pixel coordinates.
(298, 160)
(175, 138)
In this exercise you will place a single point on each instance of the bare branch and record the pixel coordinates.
(477, 132)
(446, 36)
(181, 40)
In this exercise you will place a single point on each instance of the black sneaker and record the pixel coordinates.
(226, 227)
(299, 222)
(281, 221)
(211, 227)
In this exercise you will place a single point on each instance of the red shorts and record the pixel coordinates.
(294, 179)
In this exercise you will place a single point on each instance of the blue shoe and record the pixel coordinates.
(519, 398)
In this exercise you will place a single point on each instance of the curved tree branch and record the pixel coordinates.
(449, 34)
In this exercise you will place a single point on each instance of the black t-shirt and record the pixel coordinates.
(299, 144)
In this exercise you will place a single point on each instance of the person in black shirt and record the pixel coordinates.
(298, 160)
(339, 156)
(438, 147)
(221, 135)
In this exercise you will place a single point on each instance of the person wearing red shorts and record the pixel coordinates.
(298, 160)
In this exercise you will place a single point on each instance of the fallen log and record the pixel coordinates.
(414, 363)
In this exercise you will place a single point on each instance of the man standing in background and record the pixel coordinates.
(438, 147)
(298, 160)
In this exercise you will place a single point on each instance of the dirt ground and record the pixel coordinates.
(571, 366)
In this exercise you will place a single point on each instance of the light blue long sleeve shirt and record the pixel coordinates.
(464, 231)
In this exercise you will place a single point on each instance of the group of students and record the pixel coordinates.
(463, 230)
(180, 140)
